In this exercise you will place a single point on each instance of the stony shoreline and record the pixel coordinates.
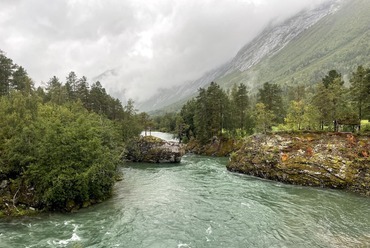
(332, 160)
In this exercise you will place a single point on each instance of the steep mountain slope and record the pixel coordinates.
(173, 98)
(300, 50)
(338, 41)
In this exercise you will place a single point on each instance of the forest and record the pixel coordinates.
(328, 105)
(59, 144)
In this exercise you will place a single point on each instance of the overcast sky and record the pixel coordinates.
(149, 43)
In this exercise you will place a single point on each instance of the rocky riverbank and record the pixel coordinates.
(333, 160)
(219, 147)
(151, 149)
(16, 199)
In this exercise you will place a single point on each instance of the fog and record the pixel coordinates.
(140, 45)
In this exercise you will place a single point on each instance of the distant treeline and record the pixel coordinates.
(328, 105)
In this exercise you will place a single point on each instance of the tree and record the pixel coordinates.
(187, 114)
(329, 99)
(180, 128)
(20, 79)
(311, 118)
(295, 115)
(166, 122)
(210, 112)
(6, 67)
(82, 91)
(296, 93)
(201, 116)
(320, 101)
(98, 98)
(71, 86)
(360, 91)
(145, 122)
(129, 125)
(271, 97)
(55, 92)
(217, 101)
(18, 114)
(53, 142)
(263, 118)
(332, 76)
(239, 102)
(87, 173)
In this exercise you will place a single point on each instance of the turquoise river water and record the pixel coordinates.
(198, 203)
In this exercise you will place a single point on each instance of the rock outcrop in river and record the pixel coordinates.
(219, 147)
(151, 149)
(334, 160)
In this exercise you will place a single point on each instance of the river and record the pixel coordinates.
(198, 203)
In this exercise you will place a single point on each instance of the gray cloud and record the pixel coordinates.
(150, 44)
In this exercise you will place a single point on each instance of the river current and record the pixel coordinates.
(198, 203)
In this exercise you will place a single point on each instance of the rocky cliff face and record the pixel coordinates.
(311, 159)
(150, 149)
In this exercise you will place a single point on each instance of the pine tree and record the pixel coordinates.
(331, 77)
(20, 78)
(271, 96)
(329, 99)
(187, 113)
(97, 101)
(217, 102)
(82, 91)
(130, 125)
(201, 116)
(360, 91)
(6, 70)
(71, 86)
(239, 109)
(55, 91)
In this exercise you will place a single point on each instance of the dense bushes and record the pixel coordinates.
(64, 152)
(75, 155)
(59, 145)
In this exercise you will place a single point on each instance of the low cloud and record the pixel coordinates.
(148, 44)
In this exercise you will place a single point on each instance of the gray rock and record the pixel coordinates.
(154, 150)
(4, 184)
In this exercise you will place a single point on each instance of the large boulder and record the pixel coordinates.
(334, 160)
(151, 149)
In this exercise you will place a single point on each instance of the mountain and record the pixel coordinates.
(300, 50)
(334, 36)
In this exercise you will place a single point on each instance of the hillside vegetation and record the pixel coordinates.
(337, 38)
(338, 41)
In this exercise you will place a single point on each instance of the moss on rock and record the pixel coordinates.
(151, 149)
(333, 160)
(219, 147)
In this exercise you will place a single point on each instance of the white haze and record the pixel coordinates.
(149, 44)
